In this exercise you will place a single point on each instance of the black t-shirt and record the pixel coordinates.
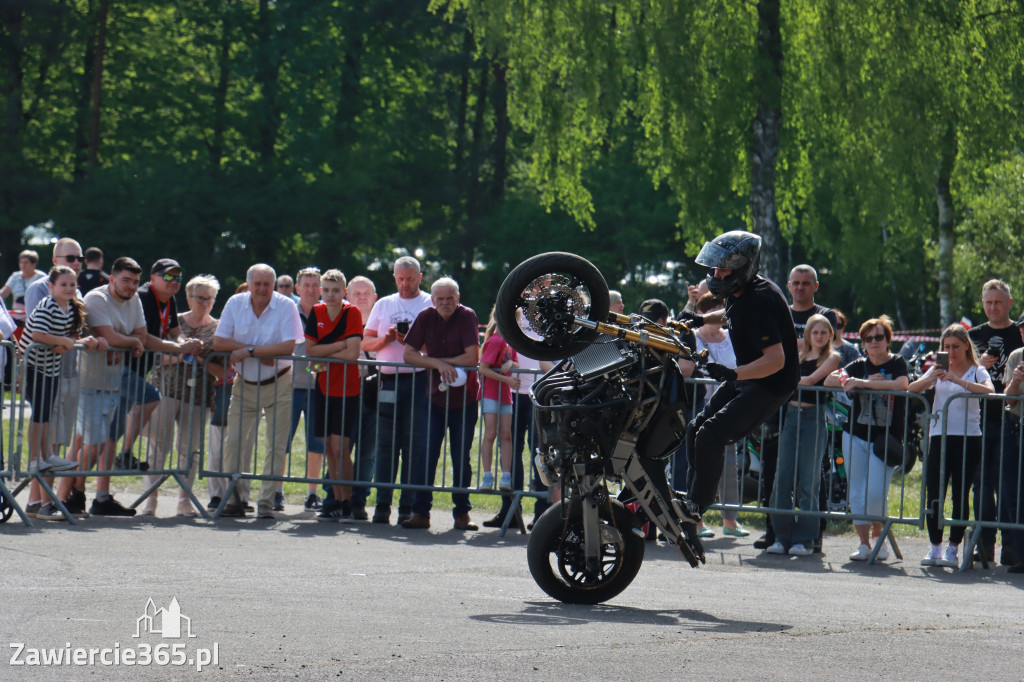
(982, 336)
(800, 318)
(759, 318)
(161, 318)
(89, 279)
(872, 413)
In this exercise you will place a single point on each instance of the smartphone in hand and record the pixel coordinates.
(942, 361)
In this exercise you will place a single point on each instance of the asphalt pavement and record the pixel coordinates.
(297, 599)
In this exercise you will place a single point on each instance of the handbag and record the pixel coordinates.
(890, 450)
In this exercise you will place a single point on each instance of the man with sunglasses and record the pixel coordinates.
(163, 335)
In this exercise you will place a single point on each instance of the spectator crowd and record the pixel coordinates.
(384, 386)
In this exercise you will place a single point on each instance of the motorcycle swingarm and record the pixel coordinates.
(658, 509)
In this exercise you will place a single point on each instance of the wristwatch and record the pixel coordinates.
(252, 351)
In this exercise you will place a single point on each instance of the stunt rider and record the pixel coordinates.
(767, 372)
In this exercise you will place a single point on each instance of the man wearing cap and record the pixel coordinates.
(163, 335)
(444, 339)
(258, 327)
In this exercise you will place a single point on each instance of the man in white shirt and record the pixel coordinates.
(402, 399)
(257, 327)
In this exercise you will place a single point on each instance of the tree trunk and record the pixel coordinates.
(220, 92)
(764, 151)
(267, 64)
(97, 83)
(944, 199)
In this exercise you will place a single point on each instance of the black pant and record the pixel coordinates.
(523, 433)
(962, 455)
(735, 410)
(986, 479)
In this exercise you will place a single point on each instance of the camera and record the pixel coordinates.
(402, 327)
(995, 346)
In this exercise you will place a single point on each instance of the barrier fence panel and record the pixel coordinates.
(100, 413)
(10, 439)
(404, 433)
(804, 466)
(974, 458)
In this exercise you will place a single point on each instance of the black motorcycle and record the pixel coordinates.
(609, 415)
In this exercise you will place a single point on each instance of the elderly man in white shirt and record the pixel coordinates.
(258, 326)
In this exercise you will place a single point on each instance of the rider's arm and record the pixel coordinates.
(773, 358)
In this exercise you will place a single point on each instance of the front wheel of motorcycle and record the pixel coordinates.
(557, 561)
(549, 291)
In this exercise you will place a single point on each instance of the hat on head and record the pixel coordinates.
(163, 265)
(654, 309)
(1020, 321)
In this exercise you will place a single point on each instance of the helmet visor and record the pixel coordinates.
(717, 256)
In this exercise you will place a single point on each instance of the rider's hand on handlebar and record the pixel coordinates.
(720, 372)
(694, 320)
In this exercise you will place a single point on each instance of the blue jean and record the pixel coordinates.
(459, 424)
(402, 410)
(798, 474)
(135, 390)
(302, 403)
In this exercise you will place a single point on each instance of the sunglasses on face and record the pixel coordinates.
(171, 278)
(74, 259)
(873, 338)
(202, 299)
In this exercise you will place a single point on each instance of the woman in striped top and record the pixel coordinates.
(52, 329)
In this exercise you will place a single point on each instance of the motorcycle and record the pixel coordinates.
(609, 414)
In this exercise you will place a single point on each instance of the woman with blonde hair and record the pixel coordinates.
(961, 423)
(798, 473)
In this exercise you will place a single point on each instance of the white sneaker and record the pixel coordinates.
(933, 557)
(883, 552)
(862, 553)
(55, 463)
(949, 557)
(776, 548)
(799, 550)
(506, 481)
(487, 481)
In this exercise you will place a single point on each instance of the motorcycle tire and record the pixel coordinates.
(573, 287)
(556, 548)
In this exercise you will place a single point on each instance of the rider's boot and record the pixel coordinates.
(687, 510)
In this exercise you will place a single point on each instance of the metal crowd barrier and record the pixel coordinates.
(1007, 460)
(94, 388)
(754, 475)
(405, 431)
(752, 468)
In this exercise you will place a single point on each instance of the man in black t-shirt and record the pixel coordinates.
(163, 335)
(92, 276)
(767, 368)
(994, 341)
(803, 283)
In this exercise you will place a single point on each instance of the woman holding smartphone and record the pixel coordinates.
(956, 370)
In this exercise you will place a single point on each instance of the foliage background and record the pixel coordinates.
(479, 132)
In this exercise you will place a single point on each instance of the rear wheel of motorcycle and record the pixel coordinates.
(551, 289)
(555, 555)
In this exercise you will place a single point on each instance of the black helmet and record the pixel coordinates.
(739, 251)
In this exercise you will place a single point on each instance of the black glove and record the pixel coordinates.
(693, 320)
(720, 372)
